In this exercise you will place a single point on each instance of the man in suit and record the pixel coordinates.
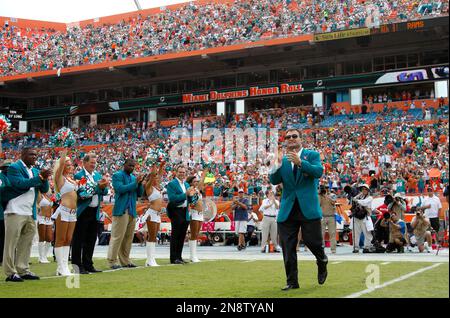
(180, 196)
(88, 214)
(299, 172)
(127, 188)
(20, 214)
(4, 184)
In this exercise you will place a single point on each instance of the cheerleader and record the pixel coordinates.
(196, 212)
(66, 214)
(153, 215)
(45, 226)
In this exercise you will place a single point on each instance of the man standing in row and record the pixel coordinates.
(20, 215)
(180, 195)
(88, 214)
(4, 185)
(127, 189)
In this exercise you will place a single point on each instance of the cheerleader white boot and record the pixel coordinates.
(193, 250)
(151, 251)
(66, 268)
(59, 254)
(48, 247)
(42, 253)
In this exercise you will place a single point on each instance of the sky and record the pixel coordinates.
(73, 10)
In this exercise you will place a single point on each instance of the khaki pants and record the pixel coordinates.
(19, 233)
(122, 233)
(360, 227)
(269, 227)
(330, 223)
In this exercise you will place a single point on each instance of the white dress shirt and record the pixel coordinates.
(433, 211)
(95, 199)
(276, 166)
(269, 209)
(23, 204)
(183, 188)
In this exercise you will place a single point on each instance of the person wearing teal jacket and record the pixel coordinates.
(88, 214)
(299, 172)
(127, 188)
(4, 184)
(20, 214)
(180, 195)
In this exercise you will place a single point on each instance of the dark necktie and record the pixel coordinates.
(295, 171)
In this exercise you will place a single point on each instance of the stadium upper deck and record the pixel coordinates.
(48, 48)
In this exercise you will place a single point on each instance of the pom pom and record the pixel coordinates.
(5, 125)
(63, 138)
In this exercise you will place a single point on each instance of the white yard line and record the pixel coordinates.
(249, 261)
(399, 279)
(334, 263)
(385, 263)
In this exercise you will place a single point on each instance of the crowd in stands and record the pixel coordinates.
(396, 156)
(196, 27)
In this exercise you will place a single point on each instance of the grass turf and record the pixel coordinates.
(231, 279)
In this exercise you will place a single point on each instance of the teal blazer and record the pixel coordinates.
(177, 197)
(304, 187)
(21, 183)
(84, 203)
(4, 185)
(124, 189)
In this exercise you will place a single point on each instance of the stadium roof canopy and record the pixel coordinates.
(67, 11)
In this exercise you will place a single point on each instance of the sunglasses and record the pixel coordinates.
(291, 136)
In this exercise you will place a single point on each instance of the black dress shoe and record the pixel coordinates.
(322, 272)
(178, 262)
(92, 270)
(131, 265)
(29, 276)
(14, 279)
(288, 287)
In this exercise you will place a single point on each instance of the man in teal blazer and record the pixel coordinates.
(180, 195)
(20, 214)
(299, 172)
(127, 189)
(88, 214)
(4, 185)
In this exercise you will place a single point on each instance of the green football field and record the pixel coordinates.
(238, 278)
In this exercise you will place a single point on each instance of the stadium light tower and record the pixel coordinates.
(138, 5)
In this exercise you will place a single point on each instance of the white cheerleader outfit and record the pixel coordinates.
(67, 215)
(197, 215)
(42, 220)
(155, 216)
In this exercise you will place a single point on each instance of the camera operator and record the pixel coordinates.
(397, 231)
(362, 222)
(351, 192)
(421, 224)
(327, 204)
(381, 233)
(398, 205)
